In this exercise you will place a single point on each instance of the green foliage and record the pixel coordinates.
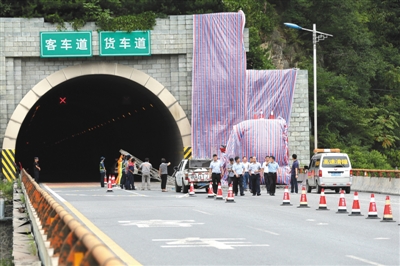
(6, 188)
(366, 159)
(144, 21)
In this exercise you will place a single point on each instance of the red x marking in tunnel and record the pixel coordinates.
(63, 100)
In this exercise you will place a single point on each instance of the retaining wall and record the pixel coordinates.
(383, 185)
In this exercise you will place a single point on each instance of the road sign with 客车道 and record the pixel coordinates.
(66, 44)
(122, 43)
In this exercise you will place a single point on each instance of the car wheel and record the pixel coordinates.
(177, 188)
(347, 190)
(318, 188)
(185, 189)
(337, 190)
(308, 188)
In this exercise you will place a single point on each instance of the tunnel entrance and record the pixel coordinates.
(83, 118)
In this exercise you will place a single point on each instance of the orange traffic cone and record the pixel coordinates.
(303, 199)
(322, 202)
(387, 212)
(113, 180)
(210, 192)
(355, 209)
(372, 212)
(219, 193)
(286, 198)
(109, 188)
(191, 191)
(105, 179)
(271, 116)
(342, 203)
(230, 197)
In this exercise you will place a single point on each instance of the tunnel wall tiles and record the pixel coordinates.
(170, 64)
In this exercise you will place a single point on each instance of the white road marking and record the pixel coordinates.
(382, 238)
(218, 243)
(363, 260)
(322, 223)
(160, 223)
(183, 196)
(265, 231)
(135, 193)
(203, 212)
(54, 193)
(310, 220)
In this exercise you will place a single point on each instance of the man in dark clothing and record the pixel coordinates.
(36, 169)
(102, 171)
(294, 174)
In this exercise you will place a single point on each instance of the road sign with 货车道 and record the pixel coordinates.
(122, 43)
(66, 44)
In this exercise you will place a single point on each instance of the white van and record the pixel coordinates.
(329, 169)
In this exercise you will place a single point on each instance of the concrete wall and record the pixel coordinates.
(382, 185)
(170, 64)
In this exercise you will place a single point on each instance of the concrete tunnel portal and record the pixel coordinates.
(85, 117)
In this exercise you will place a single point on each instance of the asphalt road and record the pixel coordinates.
(171, 228)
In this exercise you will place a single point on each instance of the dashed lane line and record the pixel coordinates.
(364, 260)
(203, 212)
(119, 252)
(263, 230)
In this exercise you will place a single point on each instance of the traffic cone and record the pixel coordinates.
(210, 192)
(230, 197)
(322, 202)
(286, 198)
(342, 203)
(109, 188)
(191, 191)
(387, 212)
(113, 180)
(372, 212)
(355, 209)
(271, 116)
(219, 193)
(105, 179)
(303, 199)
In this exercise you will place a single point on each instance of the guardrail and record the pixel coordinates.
(377, 173)
(66, 240)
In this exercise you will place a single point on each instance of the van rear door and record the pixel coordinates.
(335, 170)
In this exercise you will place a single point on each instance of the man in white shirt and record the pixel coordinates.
(254, 170)
(272, 170)
(215, 172)
(146, 167)
(246, 176)
(264, 168)
(238, 169)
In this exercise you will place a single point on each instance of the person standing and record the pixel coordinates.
(102, 171)
(254, 170)
(294, 174)
(246, 176)
(130, 176)
(215, 172)
(238, 170)
(163, 172)
(146, 168)
(119, 166)
(272, 169)
(36, 169)
(124, 171)
(265, 172)
(231, 174)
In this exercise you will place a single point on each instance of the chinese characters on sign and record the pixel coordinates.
(66, 44)
(124, 43)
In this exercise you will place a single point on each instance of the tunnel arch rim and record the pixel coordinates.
(96, 68)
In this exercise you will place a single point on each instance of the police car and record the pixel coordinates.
(329, 169)
(193, 170)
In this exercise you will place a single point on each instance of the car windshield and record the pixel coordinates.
(335, 161)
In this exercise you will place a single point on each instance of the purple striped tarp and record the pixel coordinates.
(218, 80)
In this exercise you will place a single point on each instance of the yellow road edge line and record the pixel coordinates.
(119, 252)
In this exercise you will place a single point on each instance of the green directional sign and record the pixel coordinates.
(122, 43)
(66, 44)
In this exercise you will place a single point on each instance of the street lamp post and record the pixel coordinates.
(317, 36)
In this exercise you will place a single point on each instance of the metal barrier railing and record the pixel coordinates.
(377, 173)
(71, 242)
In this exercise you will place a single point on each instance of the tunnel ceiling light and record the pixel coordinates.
(144, 108)
(129, 113)
(151, 105)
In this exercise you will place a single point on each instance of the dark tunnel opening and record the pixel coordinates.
(78, 121)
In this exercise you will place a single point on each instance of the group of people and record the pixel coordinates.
(125, 168)
(243, 174)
